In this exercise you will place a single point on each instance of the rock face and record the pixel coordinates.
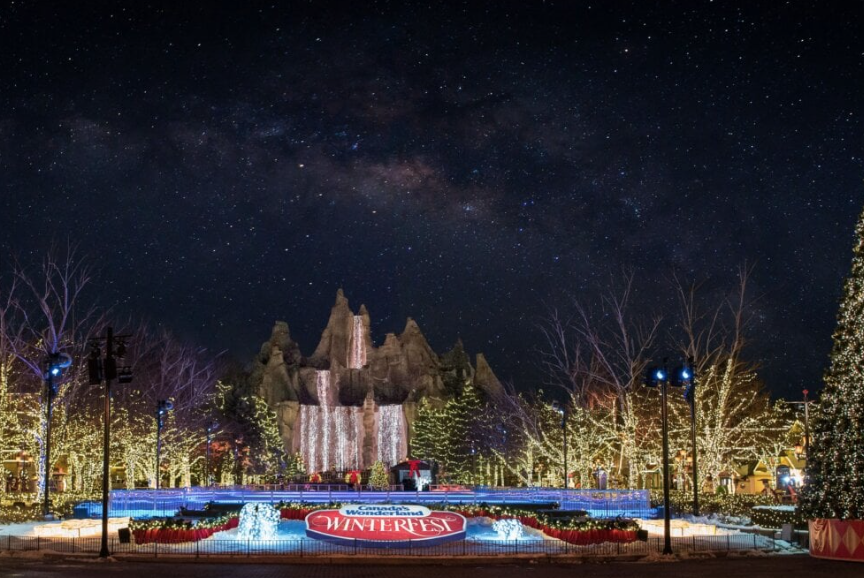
(401, 371)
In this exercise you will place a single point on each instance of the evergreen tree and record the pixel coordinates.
(379, 477)
(250, 419)
(427, 442)
(835, 468)
(451, 435)
(296, 467)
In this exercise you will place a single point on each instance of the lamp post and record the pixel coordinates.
(806, 403)
(163, 406)
(211, 427)
(105, 368)
(55, 363)
(562, 409)
(686, 376)
(806, 427)
(659, 377)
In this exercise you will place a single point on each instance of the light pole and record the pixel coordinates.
(163, 406)
(806, 404)
(659, 377)
(473, 464)
(55, 363)
(687, 378)
(806, 427)
(562, 409)
(211, 427)
(105, 369)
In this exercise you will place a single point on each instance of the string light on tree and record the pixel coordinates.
(834, 487)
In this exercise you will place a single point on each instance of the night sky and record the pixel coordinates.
(466, 164)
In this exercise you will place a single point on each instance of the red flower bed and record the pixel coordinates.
(578, 537)
(179, 535)
(294, 513)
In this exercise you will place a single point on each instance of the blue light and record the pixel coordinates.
(685, 374)
(660, 375)
(55, 372)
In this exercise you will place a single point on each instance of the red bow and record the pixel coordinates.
(414, 468)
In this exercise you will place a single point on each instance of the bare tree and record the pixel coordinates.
(599, 359)
(736, 422)
(165, 369)
(44, 315)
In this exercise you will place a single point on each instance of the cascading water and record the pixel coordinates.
(391, 439)
(329, 434)
(258, 522)
(358, 346)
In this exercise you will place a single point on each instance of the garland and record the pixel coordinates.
(776, 516)
(579, 532)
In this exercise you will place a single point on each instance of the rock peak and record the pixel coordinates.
(485, 378)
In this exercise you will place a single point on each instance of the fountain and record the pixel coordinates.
(258, 522)
(508, 529)
(330, 433)
(392, 439)
(358, 348)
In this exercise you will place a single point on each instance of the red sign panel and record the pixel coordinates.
(388, 526)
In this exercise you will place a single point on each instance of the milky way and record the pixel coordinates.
(469, 165)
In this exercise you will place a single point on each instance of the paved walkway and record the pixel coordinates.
(764, 567)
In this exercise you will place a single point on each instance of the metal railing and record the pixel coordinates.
(464, 548)
(149, 503)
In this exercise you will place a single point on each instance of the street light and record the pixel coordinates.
(686, 378)
(55, 363)
(806, 403)
(659, 377)
(211, 427)
(562, 409)
(163, 406)
(105, 368)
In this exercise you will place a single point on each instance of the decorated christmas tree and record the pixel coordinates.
(378, 477)
(835, 468)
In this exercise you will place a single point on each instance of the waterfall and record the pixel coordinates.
(358, 346)
(392, 435)
(329, 434)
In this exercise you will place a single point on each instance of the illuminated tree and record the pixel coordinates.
(247, 417)
(379, 477)
(598, 358)
(42, 315)
(834, 486)
(537, 446)
(736, 422)
(451, 435)
(429, 441)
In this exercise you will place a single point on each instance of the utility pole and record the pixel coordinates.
(106, 369)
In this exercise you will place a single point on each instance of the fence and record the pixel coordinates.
(146, 503)
(464, 548)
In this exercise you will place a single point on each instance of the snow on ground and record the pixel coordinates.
(481, 539)
(21, 529)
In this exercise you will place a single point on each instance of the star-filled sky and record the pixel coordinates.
(467, 164)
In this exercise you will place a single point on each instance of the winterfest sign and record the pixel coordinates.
(385, 525)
